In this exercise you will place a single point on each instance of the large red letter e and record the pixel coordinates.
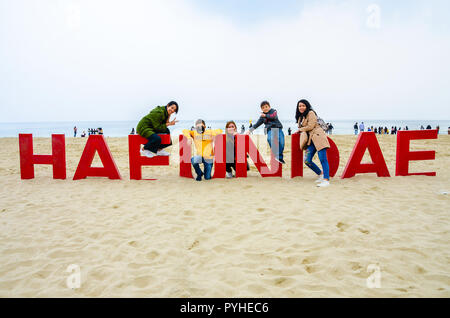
(404, 156)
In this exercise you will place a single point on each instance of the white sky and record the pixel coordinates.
(73, 60)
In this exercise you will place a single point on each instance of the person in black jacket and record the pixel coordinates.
(274, 128)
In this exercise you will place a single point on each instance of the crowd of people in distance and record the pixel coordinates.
(384, 130)
(91, 131)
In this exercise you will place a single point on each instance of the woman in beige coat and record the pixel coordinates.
(317, 141)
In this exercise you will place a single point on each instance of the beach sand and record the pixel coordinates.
(254, 237)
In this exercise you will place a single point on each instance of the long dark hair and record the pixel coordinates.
(300, 116)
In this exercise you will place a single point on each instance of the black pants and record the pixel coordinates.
(154, 142)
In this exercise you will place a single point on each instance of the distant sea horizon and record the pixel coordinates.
(124, 127)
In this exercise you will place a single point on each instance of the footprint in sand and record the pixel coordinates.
(133, 243)
(364, 231)
(342, 226)
(143, 281)
(309, 265)
(152, 255)
(196, 242)
(420, 270)
(283, 282)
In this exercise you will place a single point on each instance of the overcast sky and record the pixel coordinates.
(73, 60)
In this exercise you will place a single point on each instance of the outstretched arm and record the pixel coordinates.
(258, 123)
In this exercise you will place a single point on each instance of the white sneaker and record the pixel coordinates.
(163, 153)
(229, 175)
(320, 179)
(323, 184)
(147, 153)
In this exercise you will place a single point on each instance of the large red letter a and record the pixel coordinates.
(84, 169)
(366, 140)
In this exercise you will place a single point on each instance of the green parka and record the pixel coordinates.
(154, 122)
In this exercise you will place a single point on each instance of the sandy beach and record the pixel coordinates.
(254, 237)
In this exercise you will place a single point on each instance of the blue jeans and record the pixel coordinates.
(207, 163)
(309, 154)
(272, 135)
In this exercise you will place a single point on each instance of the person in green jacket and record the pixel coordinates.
(156, 122)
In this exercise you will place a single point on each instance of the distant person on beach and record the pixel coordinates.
(429, 127)
(242, 129)
(83, 134)
(132, 131)
(75, 131)
(361, 127)
(421, 127)
(204, 145)
(231, 132)
(330, 129)
(438, 128)
(157, 122)
(448, 131)
(306, 118)
(100, 131)
(355, 127)
(275, 137)
(289, 131)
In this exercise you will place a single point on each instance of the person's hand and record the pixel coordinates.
(263, 115)
(172, 123)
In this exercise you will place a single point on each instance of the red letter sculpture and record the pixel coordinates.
(297, 157)
(185, 157)
(220, 156)
(243, 146)
(57, 159)
(404, 156)
(137, 161)
(84, 169)
(366, 140)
